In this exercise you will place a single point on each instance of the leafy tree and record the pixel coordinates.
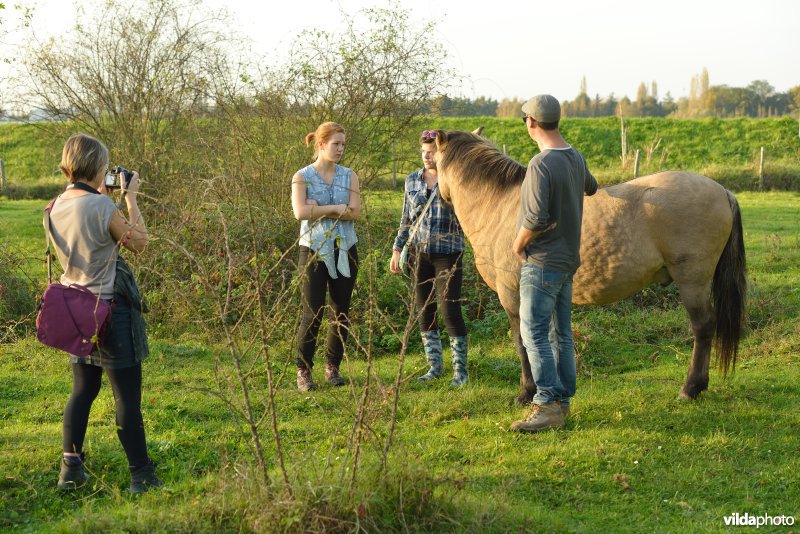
(668, 105)
(794, 94)
(625, 108)
(510, 108)
(761, 89)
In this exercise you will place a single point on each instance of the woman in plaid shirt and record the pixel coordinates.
(438, 247)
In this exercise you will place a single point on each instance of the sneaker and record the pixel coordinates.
(332, 375)
(144, 478)
(542, 417)
(72, 475)
(304, 381)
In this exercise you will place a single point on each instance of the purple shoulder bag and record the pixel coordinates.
(71, 318)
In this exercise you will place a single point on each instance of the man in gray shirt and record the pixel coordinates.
(548, 244)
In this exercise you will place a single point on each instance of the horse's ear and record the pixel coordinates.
(478, 130)
(441, 138)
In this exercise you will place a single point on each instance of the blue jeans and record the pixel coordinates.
(545, 307)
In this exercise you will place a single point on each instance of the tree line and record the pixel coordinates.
(759, 99)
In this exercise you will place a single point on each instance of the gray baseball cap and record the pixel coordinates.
(543, 108)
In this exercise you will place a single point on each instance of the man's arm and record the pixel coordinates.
(589, 182)
(534, 211)
(524, 236)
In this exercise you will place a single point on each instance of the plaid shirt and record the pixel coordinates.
(439, 232)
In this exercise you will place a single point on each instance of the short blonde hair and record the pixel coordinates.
(83, 158)
(325, 131)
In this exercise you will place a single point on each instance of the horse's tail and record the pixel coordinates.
(729, 290)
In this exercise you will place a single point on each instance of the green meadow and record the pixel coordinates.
(633, 457)
(727, 150)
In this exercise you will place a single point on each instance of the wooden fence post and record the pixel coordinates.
(761, 171)
(636, 165)
(2, 174)
(394, 164)
(624, 140)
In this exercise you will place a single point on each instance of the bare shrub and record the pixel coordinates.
(17, 293)
(135, 83)
(217, 152)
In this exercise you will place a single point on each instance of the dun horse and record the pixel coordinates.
(667, 227)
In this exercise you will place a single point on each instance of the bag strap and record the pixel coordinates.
(48, 239)
(417, 223)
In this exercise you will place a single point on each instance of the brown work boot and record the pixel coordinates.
(332, 375)
(304, 381)
(542, 417)
(565, 410)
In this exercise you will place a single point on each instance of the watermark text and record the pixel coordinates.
(748, 520)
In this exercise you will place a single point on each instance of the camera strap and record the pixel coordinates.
(83, 187)
(89, 189)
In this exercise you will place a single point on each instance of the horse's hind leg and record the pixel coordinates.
(697, 300)
(526, 383)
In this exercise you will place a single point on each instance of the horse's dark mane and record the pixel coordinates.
(477, 161)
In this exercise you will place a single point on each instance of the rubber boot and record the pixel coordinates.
(433, 353)
(458, 346)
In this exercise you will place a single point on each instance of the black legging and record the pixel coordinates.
(317, 283)
(444, 272)
(127, 386)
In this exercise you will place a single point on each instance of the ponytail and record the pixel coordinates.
(324, 132)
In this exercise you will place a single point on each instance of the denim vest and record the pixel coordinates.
(323, 234)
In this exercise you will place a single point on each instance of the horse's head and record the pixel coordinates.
(447, 172)
(444, 184)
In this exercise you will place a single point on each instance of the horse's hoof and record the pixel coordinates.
(524, 398)
(691, 392)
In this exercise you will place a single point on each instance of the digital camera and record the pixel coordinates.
(115, 175)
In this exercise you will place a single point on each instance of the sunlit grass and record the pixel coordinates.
(632, 458)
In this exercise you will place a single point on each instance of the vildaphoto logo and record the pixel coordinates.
(747, 520)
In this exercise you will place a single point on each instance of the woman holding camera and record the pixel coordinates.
(86, 230)
(326, 200)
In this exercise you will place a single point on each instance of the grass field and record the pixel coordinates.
(633, 458)
(727, 150)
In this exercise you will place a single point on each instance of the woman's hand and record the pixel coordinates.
(394, 263)
(133, 186)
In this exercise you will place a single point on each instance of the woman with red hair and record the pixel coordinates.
(326, 201)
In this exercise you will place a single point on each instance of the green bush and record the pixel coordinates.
(43, 188)
(17, 300)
